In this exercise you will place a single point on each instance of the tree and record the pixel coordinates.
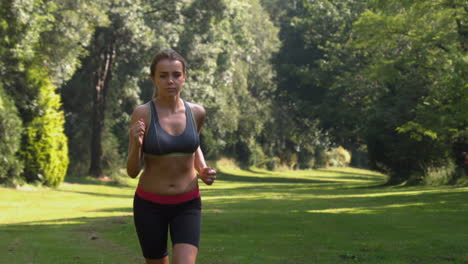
(109, 76)
(10, 136)
(312, 57)
(46, 152)
(416, 64)
(36, 60)
(230, 72)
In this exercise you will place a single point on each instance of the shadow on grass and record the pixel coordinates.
(255, 172)
(250, 228)
(88, 180)
(242, 230)
(72, 240)
(106, 195)
(366, 175)
(223, 176)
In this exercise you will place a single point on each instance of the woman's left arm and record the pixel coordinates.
(207, 174)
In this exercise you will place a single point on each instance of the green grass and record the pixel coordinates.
(250, 217)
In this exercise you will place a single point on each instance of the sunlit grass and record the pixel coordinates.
(68, 201)
(250, 216)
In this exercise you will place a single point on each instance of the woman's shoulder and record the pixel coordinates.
(142, 108)
(141, 111)
(199, 113)
(197, 109)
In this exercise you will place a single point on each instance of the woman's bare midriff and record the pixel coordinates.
(168, 175)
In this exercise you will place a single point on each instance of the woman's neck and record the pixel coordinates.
(171, 103)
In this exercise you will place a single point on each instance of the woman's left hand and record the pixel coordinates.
(208, 176)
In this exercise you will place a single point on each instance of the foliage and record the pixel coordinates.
(10, 136)
(399, 92)
(339, 157)
(46, 150)
(309, 30)
(42, 41)
(228, 51)
(420, 95)
(229, 72)
(128, 39)
(283, 82)
(440, 175)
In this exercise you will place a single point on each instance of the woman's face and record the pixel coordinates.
(169, 77)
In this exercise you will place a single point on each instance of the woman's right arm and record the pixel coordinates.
(136, 135)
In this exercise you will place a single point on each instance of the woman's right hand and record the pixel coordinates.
(208, 175)
(137, 132)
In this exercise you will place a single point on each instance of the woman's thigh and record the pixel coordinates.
(151, 223)
(185, 224)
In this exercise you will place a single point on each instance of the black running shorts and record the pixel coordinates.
(152, 221)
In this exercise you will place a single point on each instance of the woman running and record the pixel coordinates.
(165, 134)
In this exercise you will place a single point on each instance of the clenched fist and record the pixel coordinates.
(208, 176)
(137, 132)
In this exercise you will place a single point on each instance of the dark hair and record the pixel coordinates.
(169, 54)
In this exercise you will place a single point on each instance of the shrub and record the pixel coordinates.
(338, 157)
(273, 163)
(45, 144)
(439, 175)
(257, 156)
(321, 158)
(10, 137)
(306, 159)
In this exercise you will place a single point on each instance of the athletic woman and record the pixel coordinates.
(165, 134)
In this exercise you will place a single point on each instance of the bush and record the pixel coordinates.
(257, 156)
(306, 159)
(291, 162)
(45, 144)
(439, 175)
(321, 158)
(10, 137)
(223, 162)
(338, 157)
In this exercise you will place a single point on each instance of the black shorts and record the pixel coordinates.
(152, 221)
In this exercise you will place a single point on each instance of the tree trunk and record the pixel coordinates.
(103, 76)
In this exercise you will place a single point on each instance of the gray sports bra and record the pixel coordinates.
(158, 142)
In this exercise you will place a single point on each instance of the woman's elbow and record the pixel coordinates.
(133, 173)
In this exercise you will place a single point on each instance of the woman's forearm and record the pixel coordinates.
(199, 161)
(134, 160)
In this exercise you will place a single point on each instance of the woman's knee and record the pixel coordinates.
(184, 254)
(164, 260)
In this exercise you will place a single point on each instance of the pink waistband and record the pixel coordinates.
(167, 199)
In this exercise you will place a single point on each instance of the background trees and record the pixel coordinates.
(416, 62)
(369, 71)
(283, 82)
(40, 49)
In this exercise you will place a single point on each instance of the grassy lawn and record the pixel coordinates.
(250, 217)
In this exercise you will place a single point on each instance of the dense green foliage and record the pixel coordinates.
(46, 151)
(386, 77)
(10, 135)
(39, 51)
(418, 71)
(284, 83)
(102, 93)
(230, 74)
